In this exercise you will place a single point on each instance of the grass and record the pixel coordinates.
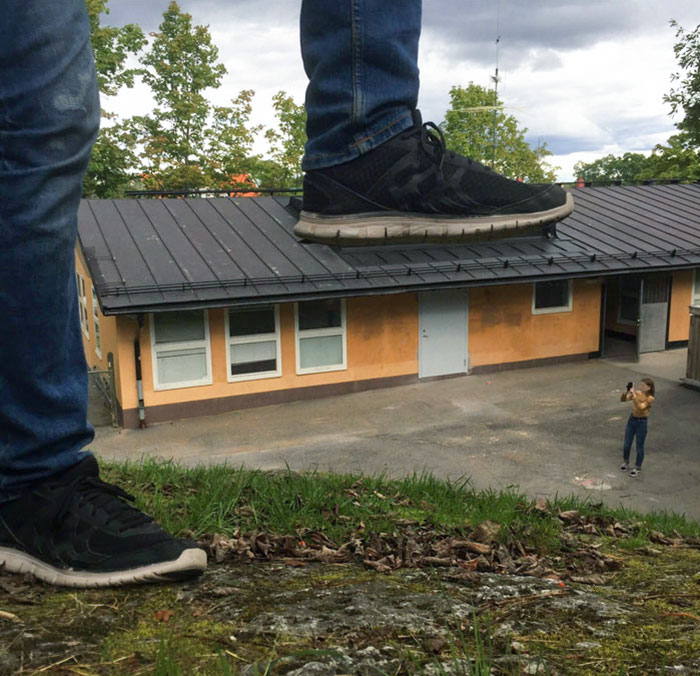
(220, 499)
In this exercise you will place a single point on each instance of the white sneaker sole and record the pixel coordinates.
(410, 227)
(189, 564)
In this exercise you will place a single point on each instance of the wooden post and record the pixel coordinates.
(692, 373)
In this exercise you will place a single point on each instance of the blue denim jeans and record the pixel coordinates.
(49, 115)
(636, 427)
(361, 57)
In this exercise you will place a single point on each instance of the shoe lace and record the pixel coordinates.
(433, 141)
(93, 493)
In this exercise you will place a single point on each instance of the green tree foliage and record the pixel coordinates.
(283, 170)
(180, 65)
(679, 158)
(476, 126)
(686, 96)
(623, 168)
(230, 140)
(113, 155)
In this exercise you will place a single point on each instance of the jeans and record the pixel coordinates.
(636, 427)
(49, 115)
(361, 58)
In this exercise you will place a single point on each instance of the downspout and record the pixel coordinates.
(139, 379)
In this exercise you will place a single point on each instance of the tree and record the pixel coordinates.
(686, 97)
(625, 168)
(476, 126)
(679, 159)
(113, 158)
(283, 170)
(230, 142)
(180, 65)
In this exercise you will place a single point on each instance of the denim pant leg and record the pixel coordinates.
(361, 57)
(630, 431)
(641, 438)
(49, 115)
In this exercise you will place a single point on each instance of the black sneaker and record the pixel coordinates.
(625, 466)
(78, 531)
(412, 188)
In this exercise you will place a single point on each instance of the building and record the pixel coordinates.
(223, 308)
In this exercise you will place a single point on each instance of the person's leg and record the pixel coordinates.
(49, 115)
(361, 57)
(58, 520)
(641, 438)
(627, 444)
(374, 171)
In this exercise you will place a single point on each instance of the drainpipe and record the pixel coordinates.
(139, 380)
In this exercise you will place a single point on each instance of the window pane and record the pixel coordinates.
(319, 314)
(322, 351)
(177, 366)
(174, 327)
(251, 322)
(551, 294)
(254, 357)
(696, 290)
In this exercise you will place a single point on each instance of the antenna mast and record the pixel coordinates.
(496, 80)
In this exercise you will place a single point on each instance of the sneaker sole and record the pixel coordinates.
(190, 563)
(410, 227)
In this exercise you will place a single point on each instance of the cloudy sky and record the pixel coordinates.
(585, 76)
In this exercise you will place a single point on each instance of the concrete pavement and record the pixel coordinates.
(551, 430)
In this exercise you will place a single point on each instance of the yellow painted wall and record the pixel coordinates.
(502, 328)
(382, 341)
(681, 299)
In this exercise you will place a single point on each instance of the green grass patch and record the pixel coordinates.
(221, 499)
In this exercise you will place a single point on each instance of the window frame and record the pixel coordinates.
(321, 333)
(180, 345)
(695, 290)
(96, 324)
(555, 309)
(253, 338)
(82, 304)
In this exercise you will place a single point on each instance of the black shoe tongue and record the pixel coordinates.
(86, 467)
(417, 119)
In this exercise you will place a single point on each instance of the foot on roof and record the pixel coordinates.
(412, 189)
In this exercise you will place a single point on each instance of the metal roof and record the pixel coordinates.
(159, 254)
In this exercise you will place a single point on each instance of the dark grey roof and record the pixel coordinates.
(157, 254)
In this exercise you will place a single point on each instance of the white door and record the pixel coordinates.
(442, 347)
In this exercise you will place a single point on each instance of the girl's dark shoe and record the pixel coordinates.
(76, 530)
(635, 472)
(624, 466)
(412, 188)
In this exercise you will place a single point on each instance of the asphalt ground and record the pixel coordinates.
(546, 431)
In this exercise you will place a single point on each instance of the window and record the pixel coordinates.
(180, 349)
(96, 322)
(253, 343)
(696, 287)
(552, 296)
(628, 305)
(320, 332)
(82, 305)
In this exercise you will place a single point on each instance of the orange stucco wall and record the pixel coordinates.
(502, 328)
(382, 341)
(681, 298)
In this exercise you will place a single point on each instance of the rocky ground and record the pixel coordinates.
(402, 605)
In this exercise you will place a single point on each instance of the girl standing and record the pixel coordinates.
(642, 399)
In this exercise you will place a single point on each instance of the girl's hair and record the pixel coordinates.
(650, 382)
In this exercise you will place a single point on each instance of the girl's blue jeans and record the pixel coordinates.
(361, 58)
(636, 427)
